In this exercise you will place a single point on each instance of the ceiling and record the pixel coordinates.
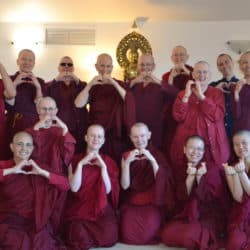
(122, 11)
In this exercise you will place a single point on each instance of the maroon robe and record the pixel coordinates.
(204, 118)
(172, 90)
(27, 204)
(75, 118)
(239, 224)
(52, 148)
(55, 150)
(240, 110)
(202, 222)
(142, 203)
(116, 115)
(23, 113)
(90, 214)
(149, 103)
(3, 128)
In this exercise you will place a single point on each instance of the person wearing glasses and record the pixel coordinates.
(29, 194)
(64, 89)
(54, 146)
(200, 109)
(174, 81)
(202, 199)
(149, 98)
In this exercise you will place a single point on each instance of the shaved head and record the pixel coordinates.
(22, 134)
(104, 57)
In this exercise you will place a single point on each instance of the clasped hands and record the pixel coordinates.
(197, 171)
(238, 168)
(193, 87)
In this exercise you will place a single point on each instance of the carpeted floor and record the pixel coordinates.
(120, 246)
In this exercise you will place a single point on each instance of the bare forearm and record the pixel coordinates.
(82, 99)
(125, 176)
(106, 180)
(245, 182)
(189, 183)
(75, 180)
(9, 87)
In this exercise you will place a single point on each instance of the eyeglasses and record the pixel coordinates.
(21, 144)
(47, 109)
(66, 64)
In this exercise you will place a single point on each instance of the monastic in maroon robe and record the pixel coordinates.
(55, 150)
(204, 118)
(116, 115)
(172, 90)
(23, 113)
(149, 102)
(91, 219)
(142, 203)
(240, 110)
(27, 204)
(52, 148)
(75, 118)
(239, 222)
(202, 222)
(3, 129)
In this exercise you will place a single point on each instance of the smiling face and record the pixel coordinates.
(22, 146)
(26, 61)
(202, 74)
(241, 144)
(179, 55)
(66, 65)
(46, 108)
(104, 64)
(146, 63)
(225, 65)
(140, 135)
(95, 138)
(194, 150)
(244, 64)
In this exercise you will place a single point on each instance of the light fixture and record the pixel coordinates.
(239, 46)
(139, 22)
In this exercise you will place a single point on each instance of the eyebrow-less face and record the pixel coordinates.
(95, 137)
(104, 64)
(194, 150)
(140, 135)
(146, 63)
(244, 64)
(22, 146)
(202, 74)
(241, 145)
(26, 61)
(179, 55)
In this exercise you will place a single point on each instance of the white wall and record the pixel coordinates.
(204, 41)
